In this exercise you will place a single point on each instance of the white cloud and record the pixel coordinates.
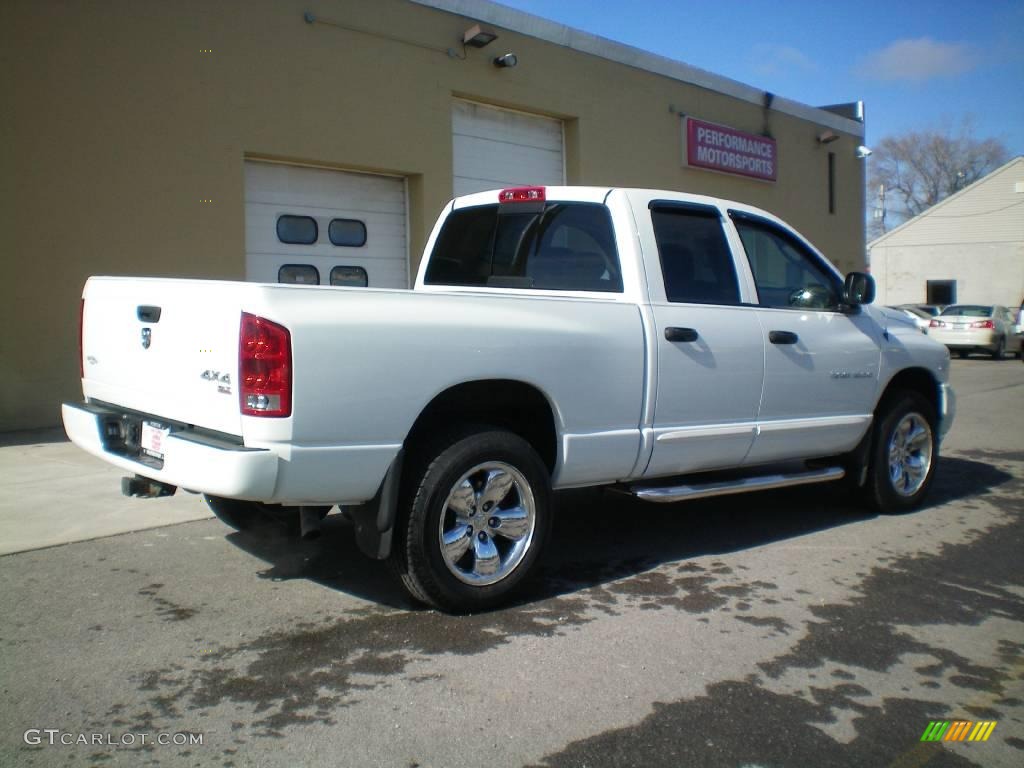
(769, 59)
(917, 60)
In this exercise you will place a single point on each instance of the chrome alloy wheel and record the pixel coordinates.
(910, 454)
(487, 523)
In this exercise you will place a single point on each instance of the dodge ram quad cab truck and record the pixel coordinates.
(666, 345)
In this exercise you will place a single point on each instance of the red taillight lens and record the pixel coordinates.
(81, 324)
(264, 367)
(522, 195)
(935, 324)
(983, 324)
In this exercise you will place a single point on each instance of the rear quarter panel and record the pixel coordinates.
(367, 362)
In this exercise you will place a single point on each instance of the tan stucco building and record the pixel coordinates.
(967, 249)
(249, 139)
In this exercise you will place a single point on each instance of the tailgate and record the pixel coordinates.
(164, 347)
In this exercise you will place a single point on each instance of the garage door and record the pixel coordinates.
(494, 148)
(319, 226)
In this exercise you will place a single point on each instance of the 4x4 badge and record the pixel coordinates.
(147, 337)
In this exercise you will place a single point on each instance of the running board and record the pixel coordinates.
(665, 495)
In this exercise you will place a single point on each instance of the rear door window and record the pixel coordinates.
(561, 246)
(696, 262)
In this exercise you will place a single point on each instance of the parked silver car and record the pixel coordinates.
(932, 310)
(920, 317)
(966, 328)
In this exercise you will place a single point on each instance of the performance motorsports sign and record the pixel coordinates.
(718, 148)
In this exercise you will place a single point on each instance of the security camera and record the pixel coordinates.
(507, 60)
(862, 152)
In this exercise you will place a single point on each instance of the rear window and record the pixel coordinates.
(967, 310)
(563, 246)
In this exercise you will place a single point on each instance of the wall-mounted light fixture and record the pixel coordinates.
(507, 60)
(827, 137)
(862, 152)
(476, 37)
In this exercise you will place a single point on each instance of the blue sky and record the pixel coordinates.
(916, 65)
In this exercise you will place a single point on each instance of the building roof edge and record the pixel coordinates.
(584, 42)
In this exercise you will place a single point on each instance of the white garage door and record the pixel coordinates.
(318, 226)
(494, 148)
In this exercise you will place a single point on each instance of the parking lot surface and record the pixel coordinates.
(789, 628)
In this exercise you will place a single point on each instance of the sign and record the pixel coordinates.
(718, 148)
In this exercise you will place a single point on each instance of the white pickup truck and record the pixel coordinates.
(667, 345)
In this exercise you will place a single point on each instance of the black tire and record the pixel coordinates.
(499, 473)
(893, 485)
(1000, 351)
(245, 515)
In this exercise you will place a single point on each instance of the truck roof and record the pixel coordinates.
(600, 195)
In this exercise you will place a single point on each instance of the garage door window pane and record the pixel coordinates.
(349, 276)
(347, 232)
(299, 274)
(297, 230)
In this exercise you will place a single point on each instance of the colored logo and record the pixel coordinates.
(958, 730)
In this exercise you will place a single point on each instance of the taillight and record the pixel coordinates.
(983, 324)
(264, 367)
(522, 195)
(81, 323)
(936, 324)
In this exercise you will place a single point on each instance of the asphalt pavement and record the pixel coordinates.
(788, 628)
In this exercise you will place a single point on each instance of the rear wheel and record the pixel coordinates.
(477, 514)
(903, 454)
(1000, 351)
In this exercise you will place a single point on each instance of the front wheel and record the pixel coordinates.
(903, 454)
(477, 514)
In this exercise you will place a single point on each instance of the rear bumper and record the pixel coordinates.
(955, 340)
(191, 461)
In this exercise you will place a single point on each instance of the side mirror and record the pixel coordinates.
(858, 289)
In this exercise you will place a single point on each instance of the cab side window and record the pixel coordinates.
(787, 274)
(696, 262)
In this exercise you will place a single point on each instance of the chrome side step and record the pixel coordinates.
(665, 495)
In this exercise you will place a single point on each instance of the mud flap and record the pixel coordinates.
(374, 520)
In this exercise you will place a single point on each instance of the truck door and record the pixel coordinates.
(821, 364)
(710, 349)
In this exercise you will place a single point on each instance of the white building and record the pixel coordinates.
(967, 249)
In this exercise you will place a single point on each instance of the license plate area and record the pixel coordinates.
(152, 439)
(135, 438)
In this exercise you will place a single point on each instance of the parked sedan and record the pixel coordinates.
(966, 328)
(932, 310)
(919, 317)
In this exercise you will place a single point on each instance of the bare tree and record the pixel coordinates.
(911, 173)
